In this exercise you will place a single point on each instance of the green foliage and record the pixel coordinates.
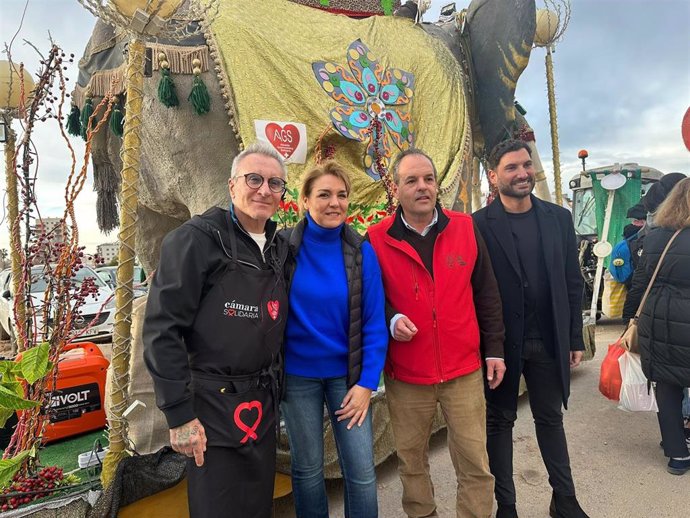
(8, 467)
(287, 214)
(10, 399)
(34, 362)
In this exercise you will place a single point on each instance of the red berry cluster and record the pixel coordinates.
(27, 489)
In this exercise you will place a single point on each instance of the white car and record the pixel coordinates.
(103, 301)
(109, 275)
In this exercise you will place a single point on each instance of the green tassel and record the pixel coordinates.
(387, 6)
(73, 123)
(166, 90)
(117, 120)
(199, 97)
(86, 113)
(325, 3)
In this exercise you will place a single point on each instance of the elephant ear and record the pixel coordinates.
(501, 33)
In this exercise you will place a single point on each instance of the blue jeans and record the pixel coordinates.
(302, 409)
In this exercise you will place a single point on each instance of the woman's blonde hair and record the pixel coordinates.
(674, 211)
(330, 167)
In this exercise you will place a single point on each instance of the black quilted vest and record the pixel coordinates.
(352, 253)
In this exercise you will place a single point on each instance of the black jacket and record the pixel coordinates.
(664, 324)
(352, 253)
(565, 284)
(193, 257)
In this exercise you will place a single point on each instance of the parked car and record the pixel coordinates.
(103, 301)
(109, 275)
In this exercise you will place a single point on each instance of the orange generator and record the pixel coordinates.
(77, 403)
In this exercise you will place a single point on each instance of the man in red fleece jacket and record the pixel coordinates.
(445, 321)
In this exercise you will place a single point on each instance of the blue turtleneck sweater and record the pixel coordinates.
(316, 336)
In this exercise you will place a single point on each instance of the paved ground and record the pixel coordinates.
(618, 467)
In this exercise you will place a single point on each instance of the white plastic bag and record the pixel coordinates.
(634, 395)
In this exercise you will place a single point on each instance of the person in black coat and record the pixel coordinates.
(664, 323)
(534, 256)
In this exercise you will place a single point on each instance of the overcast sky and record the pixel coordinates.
(622, 75)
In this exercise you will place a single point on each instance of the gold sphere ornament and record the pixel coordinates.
(196, 62)
(9, 75)
(164, 64)
(196, 71)
(162, 56)
(547, 26)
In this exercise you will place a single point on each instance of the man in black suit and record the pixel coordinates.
(534, 256)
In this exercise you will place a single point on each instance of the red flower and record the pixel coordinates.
(360, 218)
(349, 220)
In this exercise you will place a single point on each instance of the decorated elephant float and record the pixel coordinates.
(315, 84)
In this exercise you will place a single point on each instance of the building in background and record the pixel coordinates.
(108, 251)
(48, 227)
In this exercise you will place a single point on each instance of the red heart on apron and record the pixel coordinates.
(273, 306)
(284, 139)
(250, 431)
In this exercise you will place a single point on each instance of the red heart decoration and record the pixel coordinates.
(284, 139)
(250, 431)
(273, 307)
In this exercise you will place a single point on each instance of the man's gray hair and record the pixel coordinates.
(411, 151)
(258, 147)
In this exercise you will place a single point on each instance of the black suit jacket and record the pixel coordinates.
(565, 283)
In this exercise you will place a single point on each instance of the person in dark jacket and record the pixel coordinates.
(534, 255)
(664, 323)
(213, 333)
(335, 346)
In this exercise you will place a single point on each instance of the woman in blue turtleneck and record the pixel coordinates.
(335, 347)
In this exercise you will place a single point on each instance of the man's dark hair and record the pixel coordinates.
(395, 167)
(506, 146)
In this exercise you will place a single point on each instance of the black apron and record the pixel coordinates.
(239, 325)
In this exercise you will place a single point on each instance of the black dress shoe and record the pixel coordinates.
(506, 511)
(565, 507)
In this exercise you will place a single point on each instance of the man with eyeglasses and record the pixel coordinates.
(212, 338)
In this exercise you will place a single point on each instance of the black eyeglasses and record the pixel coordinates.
(255, 181)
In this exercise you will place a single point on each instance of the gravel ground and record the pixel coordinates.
(618, 466)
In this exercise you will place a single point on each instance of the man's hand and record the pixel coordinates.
(355, 406)
(190, 440)
(576, 358)
(404, 330)
(495, 369)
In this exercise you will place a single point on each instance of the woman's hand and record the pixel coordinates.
(355, 406)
